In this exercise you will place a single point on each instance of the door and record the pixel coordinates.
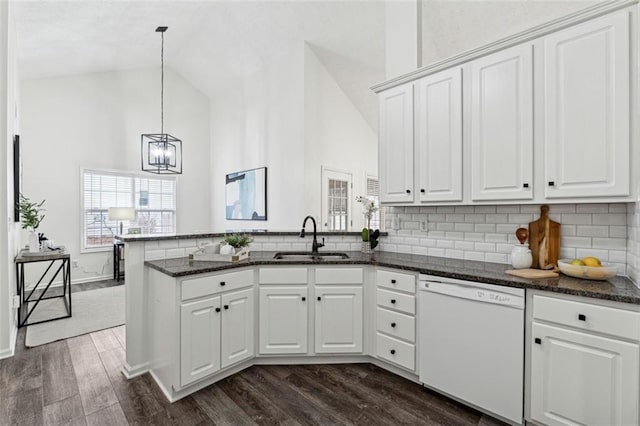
(200, 339)
(336, 200)
(338, 323)
(502, 125)
(237, 327)
(578, 378)
(587, 111)
(439, 136)
(395, 153)
(283, 320)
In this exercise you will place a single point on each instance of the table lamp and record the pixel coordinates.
(122, 213)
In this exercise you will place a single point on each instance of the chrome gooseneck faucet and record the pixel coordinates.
(315, 245)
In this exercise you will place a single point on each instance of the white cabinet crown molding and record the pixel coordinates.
(592, 12)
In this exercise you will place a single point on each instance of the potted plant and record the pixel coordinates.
(238, 246)
(31, 217)
(369, 236)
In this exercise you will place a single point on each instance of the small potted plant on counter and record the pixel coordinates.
(31, 217)
(237, 245)
(369, 236)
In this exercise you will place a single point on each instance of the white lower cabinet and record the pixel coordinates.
(283, 320)
(578, 378)
(585, 364)
(215, 333)
(237, 327)
(200, 339)
(338, 319)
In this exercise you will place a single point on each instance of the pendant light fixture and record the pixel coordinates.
(161, 153)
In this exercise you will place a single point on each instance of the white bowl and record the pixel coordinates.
(604, 272)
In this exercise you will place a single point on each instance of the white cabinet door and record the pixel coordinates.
(283, 320)
(338, 323)
(199, 339)
(237, 327)
(578, 378)
(502, 125)
(587, 109)
(439, 136)
(396, 144)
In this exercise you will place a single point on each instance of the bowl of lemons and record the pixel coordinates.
(589, 268)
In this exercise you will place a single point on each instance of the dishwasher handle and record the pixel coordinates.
(479, 294)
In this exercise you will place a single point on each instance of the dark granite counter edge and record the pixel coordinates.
(543, 285)
(143, 238)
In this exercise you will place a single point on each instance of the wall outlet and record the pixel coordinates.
(74, 263)
(424, 225)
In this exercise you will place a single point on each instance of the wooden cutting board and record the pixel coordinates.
(531, 273)
(544, 240)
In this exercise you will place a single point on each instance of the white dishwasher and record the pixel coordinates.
(472, 344)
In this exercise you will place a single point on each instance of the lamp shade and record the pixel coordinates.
(122, 213)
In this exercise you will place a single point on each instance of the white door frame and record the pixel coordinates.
(327, 173)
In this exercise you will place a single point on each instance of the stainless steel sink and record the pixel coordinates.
(308, 256)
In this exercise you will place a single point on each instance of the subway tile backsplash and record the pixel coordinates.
(483, 233)
(487, 233)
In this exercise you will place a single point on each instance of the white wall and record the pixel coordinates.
(402, 37)
(8, 127)
(260, 122)
(336, 137)
(452, 27)
(95, 121)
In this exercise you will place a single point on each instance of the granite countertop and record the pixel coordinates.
(133, 238)
(619, 289)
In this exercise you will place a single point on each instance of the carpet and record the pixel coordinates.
(92, 310)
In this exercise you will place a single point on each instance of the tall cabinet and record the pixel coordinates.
(586, 101)
(396, 144)
(501, 117)
(439, 136)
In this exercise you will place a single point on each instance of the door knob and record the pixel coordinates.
(222, 283)
(393, 301)
(217, 309)
(226, 306)
(393, 325)
(393, 351)
(304, 298)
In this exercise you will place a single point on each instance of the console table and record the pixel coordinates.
(118, 260)
(60, 262)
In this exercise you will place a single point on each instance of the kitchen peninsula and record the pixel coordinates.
(191, 323)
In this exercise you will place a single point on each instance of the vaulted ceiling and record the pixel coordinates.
(212, 43)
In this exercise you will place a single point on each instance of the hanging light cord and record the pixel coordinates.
(162, 85)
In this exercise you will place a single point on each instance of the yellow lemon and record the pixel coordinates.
(591, 261)
(577, 262)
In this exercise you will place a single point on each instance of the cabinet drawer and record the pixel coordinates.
(283, 276)
(398, 352)
(202, 286)
(396, 324)
(339, 276)
(398, 301)
(396, 281)
(599, 319)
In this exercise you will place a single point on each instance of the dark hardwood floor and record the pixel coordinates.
(78, 381)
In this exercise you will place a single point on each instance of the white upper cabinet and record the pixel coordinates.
(502, 125)
(439, 136)
(586, 101)
(396, 144)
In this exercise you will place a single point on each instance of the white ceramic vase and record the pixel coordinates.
(34, 242)
(521, 257)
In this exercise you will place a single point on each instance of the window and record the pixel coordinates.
(153, 198)
(373, 192)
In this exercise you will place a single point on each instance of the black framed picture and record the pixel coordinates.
(16, 178)
(246, 195)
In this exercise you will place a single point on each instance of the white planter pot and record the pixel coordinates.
(34, 242)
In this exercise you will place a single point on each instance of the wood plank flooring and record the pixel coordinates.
(78, 381)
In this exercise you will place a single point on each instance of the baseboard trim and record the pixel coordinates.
(11, 350)
(137, 370)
